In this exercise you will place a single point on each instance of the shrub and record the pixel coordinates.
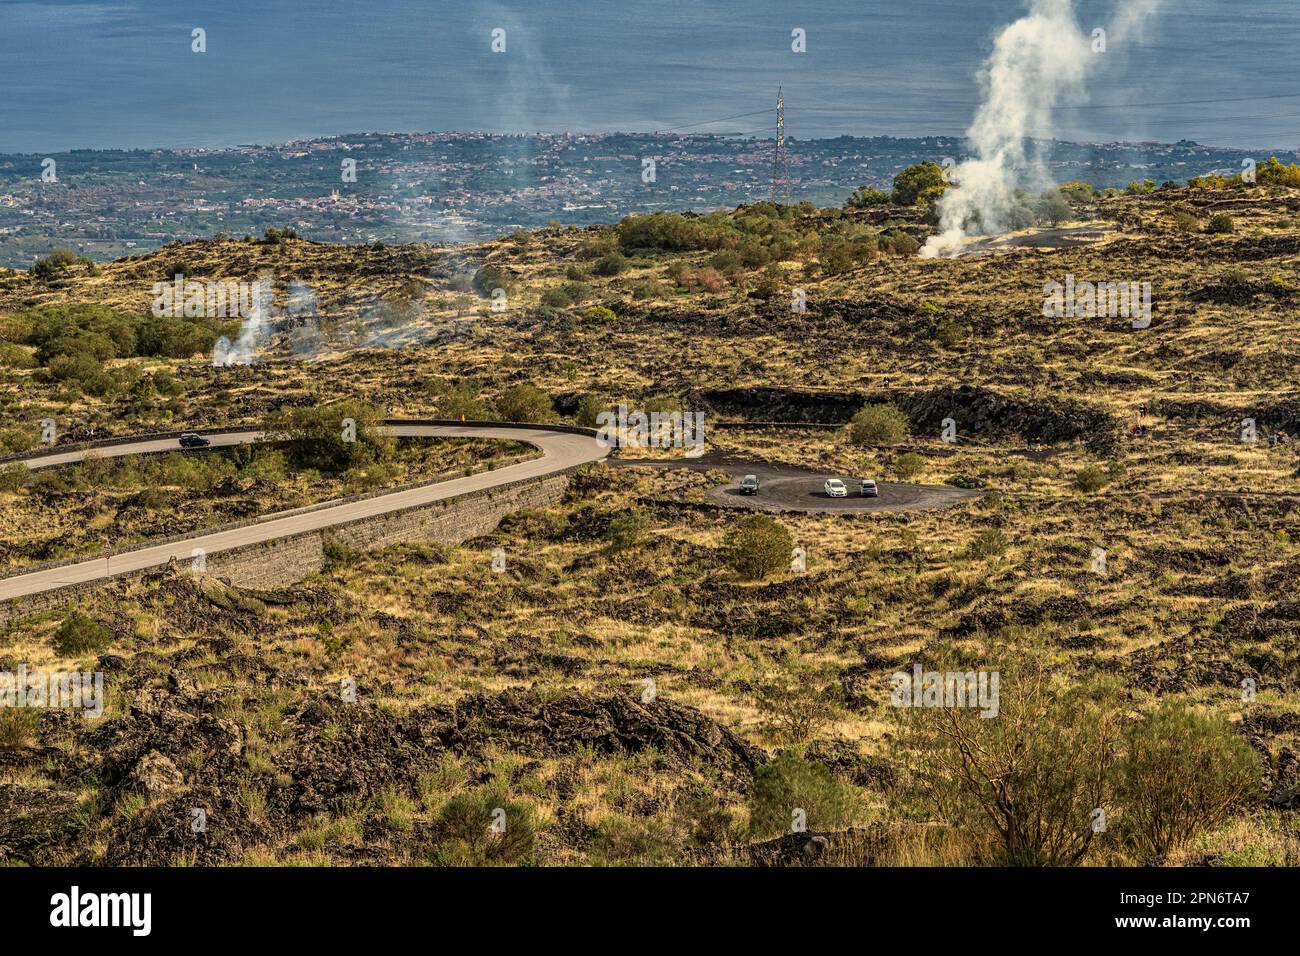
(610, 265)
(792, 708)
(315, 437)
(54, 264)
(1091, 478)
(1220, 223)
(18, 726)
(460, 400)
(588, 408)
(667, 231)
(489, 278)
(79, 635)
(878, 425)
(989, 543)
(1184, 221)
(758, 546)
(865, 196)
(1021, 786)
(598, 314)
(556, 298)
(464, 833)
(789, 784)
(525, 403)
(908, 465)
(13, 476)
(1181, 774)
(627, 529)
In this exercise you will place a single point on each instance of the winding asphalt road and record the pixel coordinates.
(560, 450)
(782, 488)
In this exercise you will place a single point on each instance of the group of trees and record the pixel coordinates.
(72, 342)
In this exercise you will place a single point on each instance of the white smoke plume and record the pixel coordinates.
(252, 331)
(1037, 62)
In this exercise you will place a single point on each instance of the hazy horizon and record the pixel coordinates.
(93, 75)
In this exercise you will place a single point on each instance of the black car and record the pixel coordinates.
(192, 440)
(749, 485)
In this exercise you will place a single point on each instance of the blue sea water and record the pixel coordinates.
(93, 74)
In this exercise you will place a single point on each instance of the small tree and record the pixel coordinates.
(1182, 773)
(878, 425)
(1022, 784)
(525, 403)
(1054, 207)
(321, 436)
(919, 183)
(759, 545)
(793, 709)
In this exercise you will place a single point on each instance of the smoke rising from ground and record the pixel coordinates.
(1038, 62)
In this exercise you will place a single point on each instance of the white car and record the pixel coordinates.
(869, 489)
(835, 488)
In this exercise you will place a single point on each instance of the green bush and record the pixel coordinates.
(525, 403)
(460, 400)
(1091, 478)
(13, 476)
(759, 545)
(878, 425)
(610, 265)
(589, 407)
(1021, 786)
(598, 314)
(1220, 223)
(908, 465)
(464, 835)
(866, 196)
(627, 529)
(314, 436)
(489, 278)
(1182, 774)
(79, 635)
(666, 231)
(789, 784)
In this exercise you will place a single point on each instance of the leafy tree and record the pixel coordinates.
(757, 546)
(489, 278)
(318, 436)
(919, 183)
(525, 403)
(878, 425)
(1054, 208)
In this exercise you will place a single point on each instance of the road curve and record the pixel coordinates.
(560, 450)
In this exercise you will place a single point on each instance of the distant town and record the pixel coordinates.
(457, 187)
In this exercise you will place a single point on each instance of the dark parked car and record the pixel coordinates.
(191, 440)
(749, 485)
